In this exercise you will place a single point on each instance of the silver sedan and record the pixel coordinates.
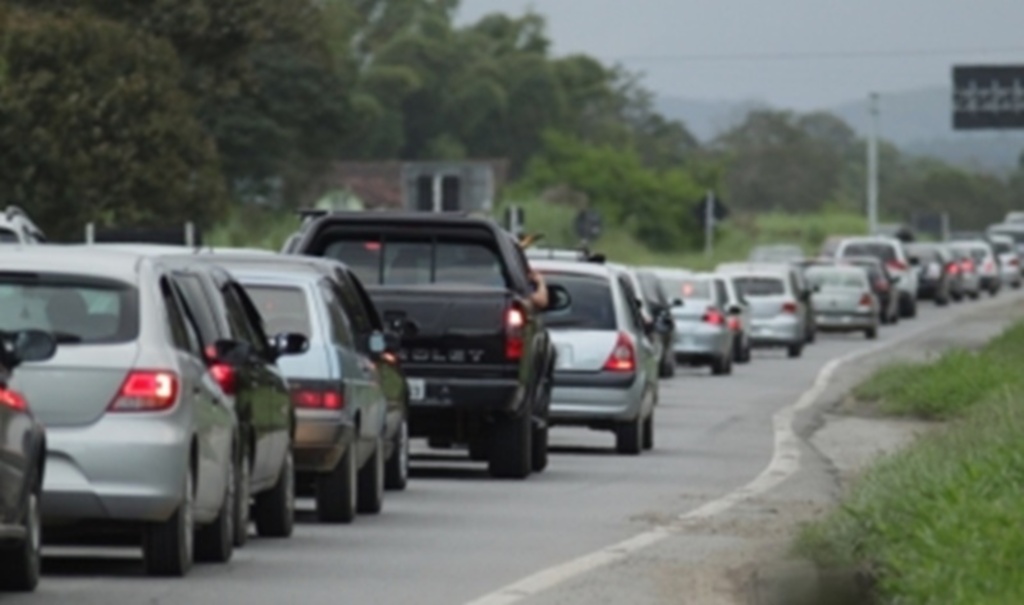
(843, 300)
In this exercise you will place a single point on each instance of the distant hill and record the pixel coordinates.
(918, 121)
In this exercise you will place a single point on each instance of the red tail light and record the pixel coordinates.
(147, 391)
(989, 266)
(714, 317)
(623, 357)
(317, 399)
(734, 324)
(790, 307)
(967, 266)
(865, 300)
(953, 268)
(515, 329)
(1014, 262)
(897, 265)
(226, 377)
(12, 400)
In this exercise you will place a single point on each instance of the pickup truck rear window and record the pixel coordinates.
(284, 309)
(418, 262)
(592, 307)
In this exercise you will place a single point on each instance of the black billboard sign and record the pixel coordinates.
(988, 97)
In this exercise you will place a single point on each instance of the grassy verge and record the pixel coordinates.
(733, 241)
(940, 522)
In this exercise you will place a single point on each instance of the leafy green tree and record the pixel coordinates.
(97, 127)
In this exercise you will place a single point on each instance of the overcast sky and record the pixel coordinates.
(796, 53)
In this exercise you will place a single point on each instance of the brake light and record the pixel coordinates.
(967, 266)
(865, 300)
(317, 399)
(790, 307)
(953, 268)
(226, 377)
(13, 401)
(515, 328)
(146, 391)
(623, 357)
(897, 265)
(734, 324)
(714, 317)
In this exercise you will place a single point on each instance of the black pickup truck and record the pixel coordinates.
(455, 291)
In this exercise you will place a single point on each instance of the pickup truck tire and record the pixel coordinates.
(510, 447)
(336, 491)
(396, 472)
(539, 444)
(629, 437)
(370, 494)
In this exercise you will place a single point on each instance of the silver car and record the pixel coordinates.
(139, 432)
(985, 263)
(843, 300)
(1009, 260)
(606, 373)
(778, 309)
(700, 310)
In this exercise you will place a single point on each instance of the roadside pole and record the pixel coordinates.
(873, 164)
(709, 223)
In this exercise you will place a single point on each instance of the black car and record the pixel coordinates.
(934, 279)
(478, 359)
(23, 447)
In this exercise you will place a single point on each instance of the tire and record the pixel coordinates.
(942, 302)
(648, 437)
(993, 292)
(275, 509)
(908, 307)
(215, 543)
(478, 451)
(871, 333)
(22, 562)
(243, 502)
(510, 447)
(167, 546)
(629, 437)
(722, 366)
(370, 493)
(1015, 285)
(667, 367)
(336, 490)
(975, 295)
(539, 445)
(396, 471)
(794, 351)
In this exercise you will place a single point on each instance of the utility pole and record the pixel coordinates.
(709, 223)
(873, 164)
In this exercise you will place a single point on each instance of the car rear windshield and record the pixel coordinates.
(411, 262)
(283, 308)
(828, 279)
(687, 288)
(882, 251)
(1002, 247)
(8, 237)
(752, 286)
(76, 310)
(927, 254)
(591, 306)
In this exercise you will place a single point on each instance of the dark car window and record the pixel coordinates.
(353, 304)
(77, 309)
(882, 251)
(8, 237)
(592, 306)
(283, 308)
(341, 331)
(241, 326)
(760, 286)
(180, 322)
(632, 299)
(1002, 247)
(195, 295)
(417, 262)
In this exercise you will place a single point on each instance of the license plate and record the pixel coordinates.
(417, 389)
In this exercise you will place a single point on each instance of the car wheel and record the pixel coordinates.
(871, 333)
(942, 302)
(370, 493)
(167, 546)
(648, 436)
(396, 473)
(975, 295)
(336, 490)
(667, 368)
(510, 447)
(21, 562)
(275, 509)
(1016, 285)
(721, 366)
(794, 351)
(243, 501)
(629, 437)
(215, 543)
(993, 292)
(539, 444)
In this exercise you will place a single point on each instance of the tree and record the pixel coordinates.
(97, 127)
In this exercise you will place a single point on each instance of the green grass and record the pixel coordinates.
(948, 386)
(940, 523)
(734, 240)
(254, 227)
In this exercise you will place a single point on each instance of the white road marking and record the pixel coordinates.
(784, 464)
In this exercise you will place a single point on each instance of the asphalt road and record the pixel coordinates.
(456, 534)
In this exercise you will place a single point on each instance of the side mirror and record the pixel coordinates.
(559, 298)
(290, 343)
(26, 346)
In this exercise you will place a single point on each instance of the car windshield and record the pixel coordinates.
(283, 308)
(686, 288)
(754, 286)
(410, 262)
(8, 237)
(75, 309)
(829, 279)
(885, 252)
(592, 306)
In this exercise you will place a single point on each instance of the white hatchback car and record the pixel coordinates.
(890, 251)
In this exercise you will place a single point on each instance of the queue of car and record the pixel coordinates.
(183, 397)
